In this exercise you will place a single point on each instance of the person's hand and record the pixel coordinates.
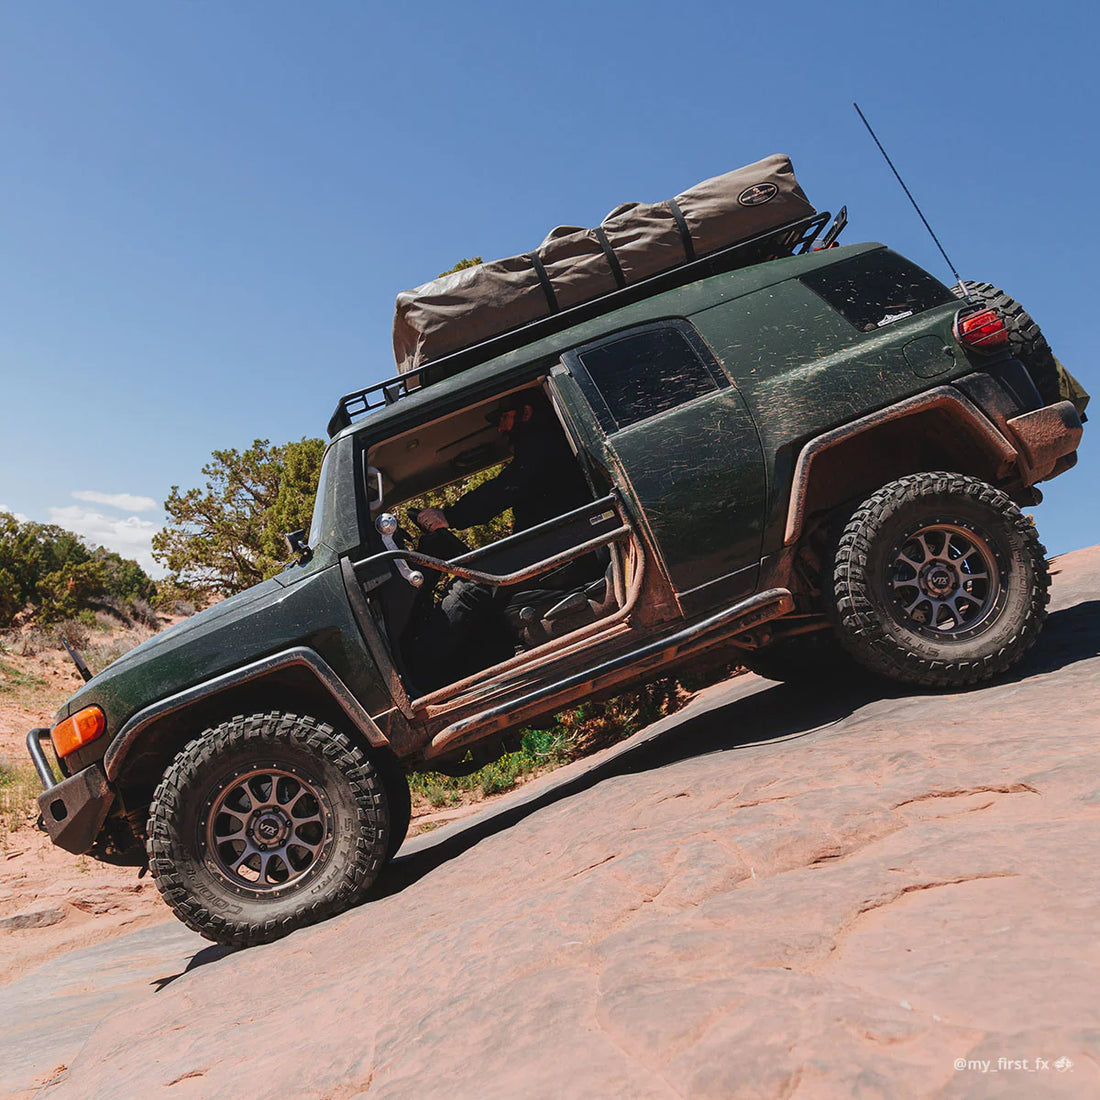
(432, 519)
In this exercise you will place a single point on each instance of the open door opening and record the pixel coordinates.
(502, 548)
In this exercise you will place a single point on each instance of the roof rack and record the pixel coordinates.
(792, 239)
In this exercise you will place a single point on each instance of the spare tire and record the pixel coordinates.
(1025, 339)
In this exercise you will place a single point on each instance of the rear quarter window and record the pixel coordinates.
(644, 373)
(877, 288)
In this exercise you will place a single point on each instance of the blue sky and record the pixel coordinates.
(206, 208)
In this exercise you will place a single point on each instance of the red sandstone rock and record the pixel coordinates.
(771, 893)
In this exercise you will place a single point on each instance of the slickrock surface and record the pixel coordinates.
(772, 893)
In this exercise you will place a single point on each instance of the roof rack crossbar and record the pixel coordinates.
(794, 238)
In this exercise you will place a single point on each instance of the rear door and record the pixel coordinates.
(677, 437)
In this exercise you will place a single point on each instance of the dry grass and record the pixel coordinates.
(19, 791)
(36, 677)
(100, 653)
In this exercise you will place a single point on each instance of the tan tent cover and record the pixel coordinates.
(574, 265)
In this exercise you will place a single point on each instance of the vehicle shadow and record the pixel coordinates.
(771, 714)
(774, 713)
(1070, 636)
(739, 714)
(209, 954)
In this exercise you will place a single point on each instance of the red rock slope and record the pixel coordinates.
(772, 893)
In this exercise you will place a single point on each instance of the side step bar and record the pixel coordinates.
(745, 615)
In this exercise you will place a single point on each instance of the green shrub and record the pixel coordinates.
(228, 535)
(574, 734)
(49, 573)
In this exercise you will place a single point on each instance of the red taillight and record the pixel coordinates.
(984, 330)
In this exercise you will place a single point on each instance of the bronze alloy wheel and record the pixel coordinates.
(265, 824)
(938, 580)
(946, 581)
(268, 829)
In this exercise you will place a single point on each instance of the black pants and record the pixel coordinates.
(463, 633)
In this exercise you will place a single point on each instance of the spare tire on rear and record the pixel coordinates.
(1025, 339)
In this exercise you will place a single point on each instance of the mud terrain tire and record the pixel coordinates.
(266, 824)
(399, 800)
(939, 580)
(1025, 340)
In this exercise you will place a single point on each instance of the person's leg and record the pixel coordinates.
(479, 631)
(459, 636)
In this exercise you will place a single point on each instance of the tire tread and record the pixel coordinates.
(275, 727)
(1025, 339)
(857, 621)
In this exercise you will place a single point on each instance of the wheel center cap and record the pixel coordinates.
(269, 828)
(938, 579)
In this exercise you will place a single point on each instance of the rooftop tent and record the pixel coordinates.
(574, 265)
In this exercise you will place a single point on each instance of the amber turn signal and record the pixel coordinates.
(77, 731)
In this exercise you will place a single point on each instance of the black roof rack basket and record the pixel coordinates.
(792, 239)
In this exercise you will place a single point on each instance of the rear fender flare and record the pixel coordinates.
(966, 417)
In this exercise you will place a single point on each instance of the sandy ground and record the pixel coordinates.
(51, 901)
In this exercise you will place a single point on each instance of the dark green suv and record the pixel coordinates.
(790, 462)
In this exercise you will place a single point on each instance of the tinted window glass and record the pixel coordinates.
(646, 373)
(878, 288)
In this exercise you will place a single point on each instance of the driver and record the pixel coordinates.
(542, 481)
(467, 630)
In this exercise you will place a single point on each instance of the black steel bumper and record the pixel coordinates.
(74, 809)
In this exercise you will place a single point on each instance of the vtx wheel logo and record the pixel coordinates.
(758, 194)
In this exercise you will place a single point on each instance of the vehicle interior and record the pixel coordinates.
(460, 602)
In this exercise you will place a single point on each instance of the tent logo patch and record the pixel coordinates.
(758, 194)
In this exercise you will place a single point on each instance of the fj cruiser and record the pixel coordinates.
(785, 445)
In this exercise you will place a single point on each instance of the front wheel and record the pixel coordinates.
(266, 824)
(939, 580)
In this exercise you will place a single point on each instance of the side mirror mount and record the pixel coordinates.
(296, 540)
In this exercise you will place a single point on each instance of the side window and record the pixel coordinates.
(877, 288)
(643, 373)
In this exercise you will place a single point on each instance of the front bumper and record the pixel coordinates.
(74, 809)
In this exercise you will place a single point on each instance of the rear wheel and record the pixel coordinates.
(264, 825)
(939, 580)
(1025, 339)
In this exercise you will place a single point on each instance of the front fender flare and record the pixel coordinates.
(299, 656)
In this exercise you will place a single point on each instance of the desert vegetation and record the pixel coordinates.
(48, 574)
(228, 534)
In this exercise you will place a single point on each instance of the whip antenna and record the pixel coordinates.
(931, 232)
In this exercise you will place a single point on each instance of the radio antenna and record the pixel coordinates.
(909, 194)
